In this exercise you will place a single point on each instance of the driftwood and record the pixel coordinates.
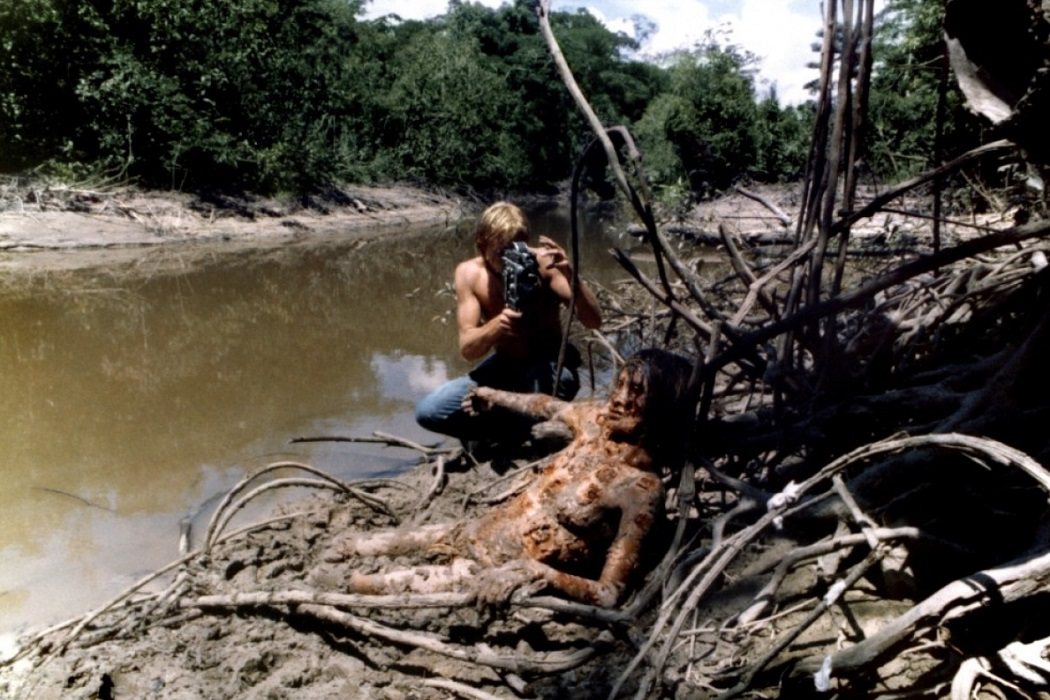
(704, 236)
(799, 342)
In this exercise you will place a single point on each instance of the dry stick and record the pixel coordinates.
(921, 265)
(686, 493)
(862, 519)
(582, 610)
(231, 510)
(764, 598)
(860, 110)
(531, 466)
(764, 201)
(846, 583)
(978, 591)
(994, 281)
(889, 195)
(814, 187)
(460, 689)
(379, 438)
(574, 283)
(692, 283)
(755, 288)
(867, 210)
(818, 140)
(715, 563)
(515, 682)
(702, 328)
(397, 601)
(954, 222)
(712, 566)
(554, 662)
(838, 140)
(643, 209)
(661, 249)
(437, 485)
(338, 600)
(667, 299)
(243, 483)
(742, 270)
(80, 624)
(219, 523)
(118, 599)
(1000, 585)
(605, 342)
(543, 13)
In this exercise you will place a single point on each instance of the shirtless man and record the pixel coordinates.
(579, 526)
(524, 343)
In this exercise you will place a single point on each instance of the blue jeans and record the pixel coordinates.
(441, 411)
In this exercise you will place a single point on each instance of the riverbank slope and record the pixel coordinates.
(39, 227)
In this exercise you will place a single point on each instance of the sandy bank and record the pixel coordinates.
(69, 228)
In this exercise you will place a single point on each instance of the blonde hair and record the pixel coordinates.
(499, 226)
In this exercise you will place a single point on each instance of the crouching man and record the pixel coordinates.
(523, 334)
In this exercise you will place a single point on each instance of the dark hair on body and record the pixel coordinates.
(668, 409)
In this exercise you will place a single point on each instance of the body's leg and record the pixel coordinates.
(459, 575)
(388, 542)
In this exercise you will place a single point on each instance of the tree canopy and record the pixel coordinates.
(291, 95)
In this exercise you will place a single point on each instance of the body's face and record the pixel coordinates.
(627, 401)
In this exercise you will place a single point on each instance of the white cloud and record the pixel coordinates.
(678, 24)
(413, 9)
(782, 38)
(407, 377)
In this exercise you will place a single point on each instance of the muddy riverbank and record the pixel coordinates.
(69, 227)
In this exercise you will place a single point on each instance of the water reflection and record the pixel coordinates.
(131, 396)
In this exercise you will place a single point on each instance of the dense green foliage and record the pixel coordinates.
(291, 95)
(708, 127)
(911, 74)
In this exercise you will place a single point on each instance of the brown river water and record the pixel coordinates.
(133, 397)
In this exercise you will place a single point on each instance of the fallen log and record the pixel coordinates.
(704, 236)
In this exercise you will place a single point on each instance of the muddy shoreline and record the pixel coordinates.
(176, 637)
(69, 228)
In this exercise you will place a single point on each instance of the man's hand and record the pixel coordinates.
(552, 255)
(506, 323)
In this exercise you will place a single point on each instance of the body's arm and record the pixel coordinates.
(638, 503)
(557, 269)
(477, 338)
(539, 406)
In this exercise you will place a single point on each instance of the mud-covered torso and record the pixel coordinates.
(567, 517)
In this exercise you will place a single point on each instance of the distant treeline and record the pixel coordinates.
(292, 95)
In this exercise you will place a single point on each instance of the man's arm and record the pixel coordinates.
(477, 338)
(558, 270)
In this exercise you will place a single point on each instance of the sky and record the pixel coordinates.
(779, 32)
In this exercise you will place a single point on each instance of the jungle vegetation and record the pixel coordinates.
(289, 96)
